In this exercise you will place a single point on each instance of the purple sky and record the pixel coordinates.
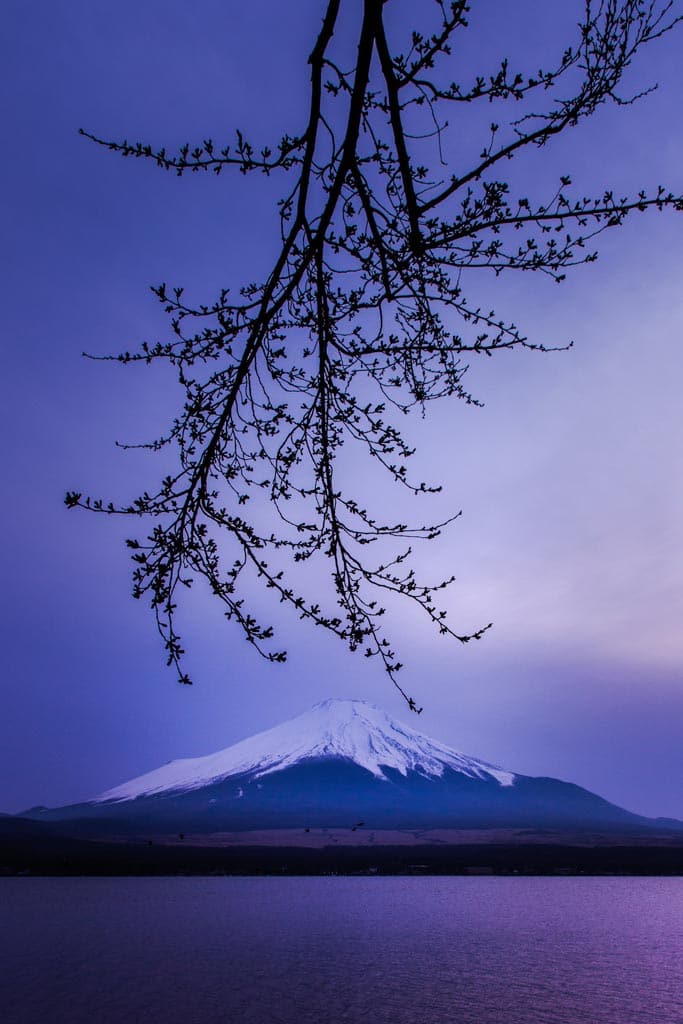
(570, 478)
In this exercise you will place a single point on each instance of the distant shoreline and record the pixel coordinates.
(57, 855)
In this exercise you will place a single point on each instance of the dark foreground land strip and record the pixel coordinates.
(67, 856)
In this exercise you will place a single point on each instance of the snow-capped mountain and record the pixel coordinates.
(341, 763)
(351, 730)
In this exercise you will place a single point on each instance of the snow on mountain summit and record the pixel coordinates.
(355, 730)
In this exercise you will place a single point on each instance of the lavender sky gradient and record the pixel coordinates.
(570, 478)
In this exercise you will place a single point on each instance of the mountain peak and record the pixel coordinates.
(346, 703)
(350, 730)
(346, 708)
(343, 707)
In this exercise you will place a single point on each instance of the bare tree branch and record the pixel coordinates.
(362, 318)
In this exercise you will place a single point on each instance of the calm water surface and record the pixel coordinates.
(300, 950)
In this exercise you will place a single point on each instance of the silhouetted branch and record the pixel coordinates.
(354, 324)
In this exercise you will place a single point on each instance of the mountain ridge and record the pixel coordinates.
(341, 764)
(354, 730)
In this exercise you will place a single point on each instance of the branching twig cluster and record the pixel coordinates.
(363, 315)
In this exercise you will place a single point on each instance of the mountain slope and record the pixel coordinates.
(354, 731)
(341, 763)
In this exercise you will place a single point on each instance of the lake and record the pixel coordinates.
(416, 950)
